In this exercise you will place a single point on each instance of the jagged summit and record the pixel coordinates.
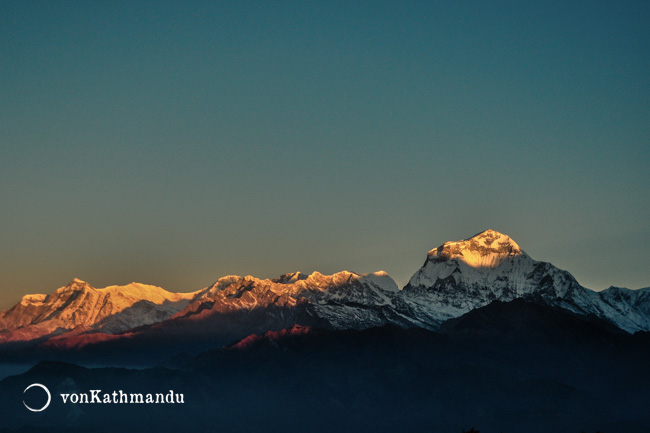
(290, 277)
(74, 286)
(297, 284)
(342, 300)
(490, 238)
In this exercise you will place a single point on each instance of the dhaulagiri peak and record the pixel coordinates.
(486, 249)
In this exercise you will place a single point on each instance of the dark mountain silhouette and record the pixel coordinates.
(514, 367)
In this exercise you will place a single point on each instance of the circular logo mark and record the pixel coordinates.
(47, 391)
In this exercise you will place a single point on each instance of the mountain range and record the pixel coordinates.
(456, 278)
(481, 336)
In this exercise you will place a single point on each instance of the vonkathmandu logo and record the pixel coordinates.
(96, 396)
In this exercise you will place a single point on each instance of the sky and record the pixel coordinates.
(173, 143)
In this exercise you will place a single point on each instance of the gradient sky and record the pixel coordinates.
(173, 143)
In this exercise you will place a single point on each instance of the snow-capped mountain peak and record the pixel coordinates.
(290, 278)
(75, 285)
(460, 276)
(487, 249)
(489, 259)
(381, 279)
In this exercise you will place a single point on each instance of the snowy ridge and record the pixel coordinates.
(78, 304)
(628, 309)
(341, 300)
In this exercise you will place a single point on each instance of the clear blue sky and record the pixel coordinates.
(172, 143)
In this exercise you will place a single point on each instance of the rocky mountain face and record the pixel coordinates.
(456, 278)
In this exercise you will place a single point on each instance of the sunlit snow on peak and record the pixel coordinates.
(487, 249)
